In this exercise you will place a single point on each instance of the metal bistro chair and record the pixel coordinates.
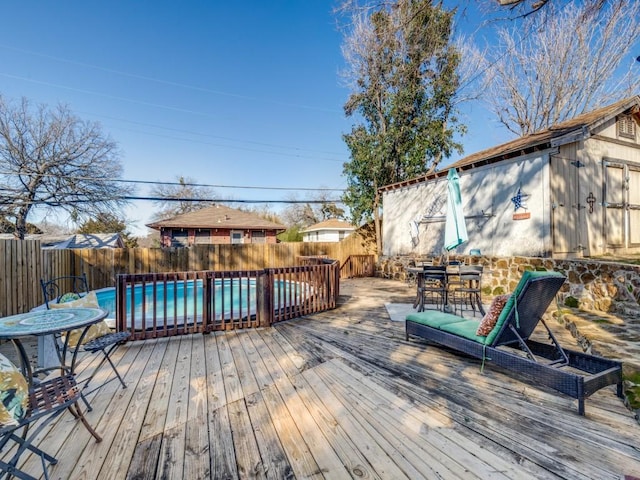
(467, 295)
(434, 286)
(59, 287)
(24, 406)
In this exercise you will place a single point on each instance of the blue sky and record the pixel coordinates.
(238, 94)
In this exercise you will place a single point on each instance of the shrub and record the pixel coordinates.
(571, 302)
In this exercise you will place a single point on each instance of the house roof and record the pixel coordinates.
(78, 240)
(331, 224)
(565, 132)
(217, 216)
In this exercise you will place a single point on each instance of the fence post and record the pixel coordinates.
(121, 303)
(264, 298)
(207, 289)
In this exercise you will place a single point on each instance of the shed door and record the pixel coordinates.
(634, 205)
(566, 214)
(622, 202)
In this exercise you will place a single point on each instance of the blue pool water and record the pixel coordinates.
(233, 298)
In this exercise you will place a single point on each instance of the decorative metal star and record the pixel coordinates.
(518, 200)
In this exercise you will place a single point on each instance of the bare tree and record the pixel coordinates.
(51, 159)
(319, 206)
(182, 196)
(555, 66)
(523, 8)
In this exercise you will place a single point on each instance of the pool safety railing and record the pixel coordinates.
(208, 301)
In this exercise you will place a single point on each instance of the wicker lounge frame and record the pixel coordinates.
(570, 372)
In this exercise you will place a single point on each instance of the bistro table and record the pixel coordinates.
(49, 322)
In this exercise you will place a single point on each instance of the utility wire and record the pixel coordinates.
(166, 82)
(186, 184)
(11, 201)
(207, 135)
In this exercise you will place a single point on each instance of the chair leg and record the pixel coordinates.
(12, 470)
(106, 358)
(124, 385)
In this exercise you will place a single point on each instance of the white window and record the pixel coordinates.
(236, 236)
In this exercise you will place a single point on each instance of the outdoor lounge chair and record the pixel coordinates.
(508, 345)
(101, 338)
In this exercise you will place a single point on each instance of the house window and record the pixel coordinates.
(258, 237)
(203, 237)
(236, 236)
(626, 126)
(341, 235)
(179, 238)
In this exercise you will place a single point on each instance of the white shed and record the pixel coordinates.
(572, 190)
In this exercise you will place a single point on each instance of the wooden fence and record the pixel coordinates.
(180, 303)
(24, 263)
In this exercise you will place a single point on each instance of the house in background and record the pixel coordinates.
(331, 230)
(78, 240)
(216, 225)
(572, 190)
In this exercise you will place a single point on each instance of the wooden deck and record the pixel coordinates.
(339, 394)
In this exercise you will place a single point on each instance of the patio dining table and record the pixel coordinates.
(451, 277)
(48, 322)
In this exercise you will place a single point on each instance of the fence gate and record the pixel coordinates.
(622, 205)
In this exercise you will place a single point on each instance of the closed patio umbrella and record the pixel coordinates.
(455, 232)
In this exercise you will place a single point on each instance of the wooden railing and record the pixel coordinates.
(182, 303)
(23, 263)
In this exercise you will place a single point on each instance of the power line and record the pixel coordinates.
(166, 82)
(161, 106)
(197, 134)
(246, 149)
(10, 201)
(185, 184)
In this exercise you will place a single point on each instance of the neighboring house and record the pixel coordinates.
(572, 190)
(331, 230)
(216, 225)
(78, 240)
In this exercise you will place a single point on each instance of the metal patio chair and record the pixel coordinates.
(46, 400)
(467, 295)
(54, 291)
(434, 286)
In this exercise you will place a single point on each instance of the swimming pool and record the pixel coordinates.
(181, 302)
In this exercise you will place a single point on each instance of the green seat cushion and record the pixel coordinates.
(434, 318)
(526, 276)
(465, 329)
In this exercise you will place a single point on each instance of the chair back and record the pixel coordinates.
(434, 271)
(55, 288)
(525, 308)
(470, 274)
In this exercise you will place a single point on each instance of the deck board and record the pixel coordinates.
(339, 394)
